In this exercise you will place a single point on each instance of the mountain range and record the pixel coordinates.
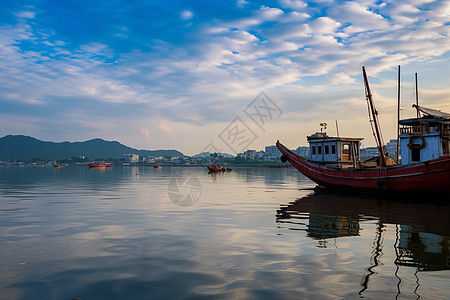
(20, 147)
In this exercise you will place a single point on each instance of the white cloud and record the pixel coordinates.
(186, 14)
(165, 126)
(323, 25)
(293, 4)
(146, 133)
(26, 14)
(359, 17)
(263, 14)
(217, 67)
(341, 78)
(241, 3)
(404, 8)
(295, 16)
(269, 13)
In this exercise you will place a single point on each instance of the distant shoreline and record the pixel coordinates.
(152, 165)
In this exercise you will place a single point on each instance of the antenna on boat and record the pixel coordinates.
(398, 117)
(337, 128)
(378, 137)
(417, 97)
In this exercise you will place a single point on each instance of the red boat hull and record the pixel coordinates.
(99, 166)
(215, 168)
(431, 176)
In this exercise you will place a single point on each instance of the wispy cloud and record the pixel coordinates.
(199, 64)
(186, 14)
(146, 133)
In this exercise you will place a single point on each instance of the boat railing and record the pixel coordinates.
(420, 129)
(425, 128)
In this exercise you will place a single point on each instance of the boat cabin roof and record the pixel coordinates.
(432, 112)
(415, 121)
(319, 136)
(430, 116)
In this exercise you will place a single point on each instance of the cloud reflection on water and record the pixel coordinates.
(116, 235)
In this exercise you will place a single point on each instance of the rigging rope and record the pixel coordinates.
(393, 84)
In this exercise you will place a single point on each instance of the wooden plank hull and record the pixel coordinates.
(428, 177)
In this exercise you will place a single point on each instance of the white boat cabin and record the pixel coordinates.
(334, 151)
(424, 138)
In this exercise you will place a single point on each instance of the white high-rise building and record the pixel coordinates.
(272, 152)
(303, 151)
(391, 148)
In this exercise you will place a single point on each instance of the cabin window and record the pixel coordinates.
(313, 150)
(333, 149)
(319, 149)
(444, 148)
(346, 152)
(327, 149)
(446, 130)
(415, 154)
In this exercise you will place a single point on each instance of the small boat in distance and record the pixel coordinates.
(157, 167)
(424, 147)
(99, 165)
(216, 168)
(215, 165)
(57, 166)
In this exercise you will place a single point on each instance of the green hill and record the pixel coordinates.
(20, 147)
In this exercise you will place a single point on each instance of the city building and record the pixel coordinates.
(272, 152)
(260, 155)
(178, 160)
(130, 158)
(368, 153)
(391, 148)
(250, 154)
(303, 151)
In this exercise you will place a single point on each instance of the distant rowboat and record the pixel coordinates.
(216, 168)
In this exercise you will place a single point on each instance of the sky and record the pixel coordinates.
(219, 76)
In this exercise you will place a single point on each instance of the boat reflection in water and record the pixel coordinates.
(422, 231)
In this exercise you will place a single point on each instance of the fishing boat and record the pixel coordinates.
(216, 168)
(215, 165)
(424, 147)
(99, 165)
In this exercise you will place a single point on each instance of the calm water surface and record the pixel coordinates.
(253, 233)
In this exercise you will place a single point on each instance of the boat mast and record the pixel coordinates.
(379, 138)
(398, 118)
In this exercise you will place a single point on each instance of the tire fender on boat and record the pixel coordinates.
(284, 158)
(416, 146)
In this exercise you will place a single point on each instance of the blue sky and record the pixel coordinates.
(176, 74)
